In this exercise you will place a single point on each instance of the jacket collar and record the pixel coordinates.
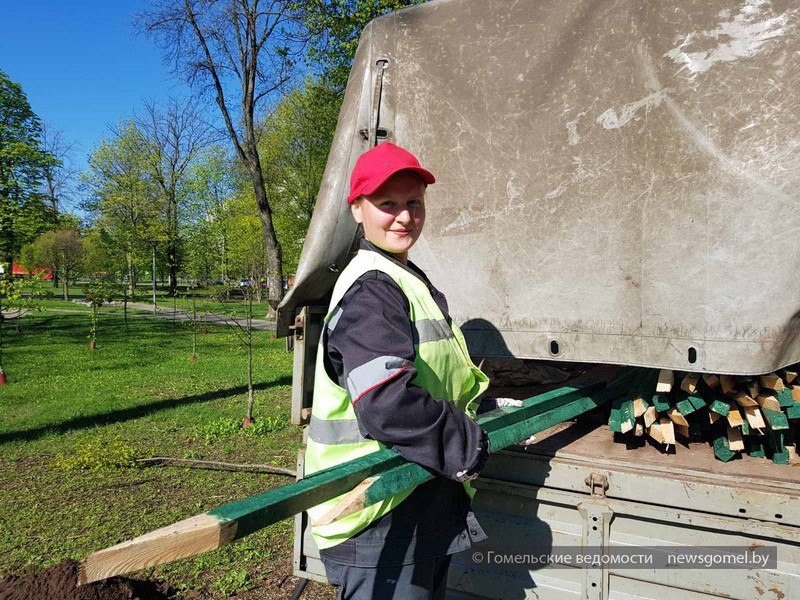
(365, 244)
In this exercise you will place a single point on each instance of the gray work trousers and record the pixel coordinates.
(425, 580)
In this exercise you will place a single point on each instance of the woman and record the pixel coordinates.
(393, 371)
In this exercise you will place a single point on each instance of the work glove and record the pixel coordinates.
(490, 403)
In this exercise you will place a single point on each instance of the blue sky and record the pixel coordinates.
(81, 64)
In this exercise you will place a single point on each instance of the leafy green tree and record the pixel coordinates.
(124, 199)
(243, 51)
(23, 211)
(10, 293)
(61, 250)
(175, 134)
(213, 178)
(99, 291)
(295, 143)
(247, 255)
(335, 27)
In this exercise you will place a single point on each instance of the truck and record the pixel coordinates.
(616, 185)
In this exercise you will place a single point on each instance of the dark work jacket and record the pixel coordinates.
(436, 518)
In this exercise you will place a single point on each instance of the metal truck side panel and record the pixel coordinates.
(616, 181)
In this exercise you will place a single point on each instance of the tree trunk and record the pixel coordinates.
(66, 289)
(173, 268)
(131, 274)
(273, 247)
(250, 395)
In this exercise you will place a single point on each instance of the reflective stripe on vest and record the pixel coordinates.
(335, 431)
(429, 330)
(443, 368)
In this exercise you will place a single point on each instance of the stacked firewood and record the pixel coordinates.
(757, 415)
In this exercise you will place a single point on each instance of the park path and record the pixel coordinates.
(167, 314)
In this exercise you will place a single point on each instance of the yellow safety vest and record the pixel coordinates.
(444, 369)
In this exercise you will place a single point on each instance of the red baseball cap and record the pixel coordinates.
(375, 166)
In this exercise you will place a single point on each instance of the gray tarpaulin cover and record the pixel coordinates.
(621, 178)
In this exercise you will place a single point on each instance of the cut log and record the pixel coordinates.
(735, 417)
(656, 432)
(793, 412)
(754, 417)
(769, 399)
(640, 406)
(682, 430)
(744, 399)
(728, 384)
(689, 383)
(735, 440)
(651, 415)
(666, 378)
(752, 388)
(771, 382)
(668, 431)
(789, 376)
(638, 429)
(712, 381)
(796, 393)
(713, 416)
(676, 417)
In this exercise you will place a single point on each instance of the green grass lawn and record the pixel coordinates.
(137, 395)
(48, 297)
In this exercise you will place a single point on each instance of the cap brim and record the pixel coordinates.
(378, 181)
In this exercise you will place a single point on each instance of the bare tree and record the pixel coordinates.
(250, 44)
(59, 172)
(175, 134)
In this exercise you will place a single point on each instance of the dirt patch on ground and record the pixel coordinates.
(61, 583)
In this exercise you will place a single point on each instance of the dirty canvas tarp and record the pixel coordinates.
(617, 181)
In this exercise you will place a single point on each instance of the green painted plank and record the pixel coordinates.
(745, 427)
(775, 420)
(537, 404)
(720, 407)
(755, 447)
(661, 403)
(627, 420)
(722, 449)
(793, 412)
(785, 398)
(697, 401)
(403, 477)
(775, 440)
(622, 410)
(256, 512)
(685, 406)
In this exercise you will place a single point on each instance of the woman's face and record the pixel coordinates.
(393, 215)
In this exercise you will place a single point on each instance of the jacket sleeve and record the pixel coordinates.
(371, 350)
